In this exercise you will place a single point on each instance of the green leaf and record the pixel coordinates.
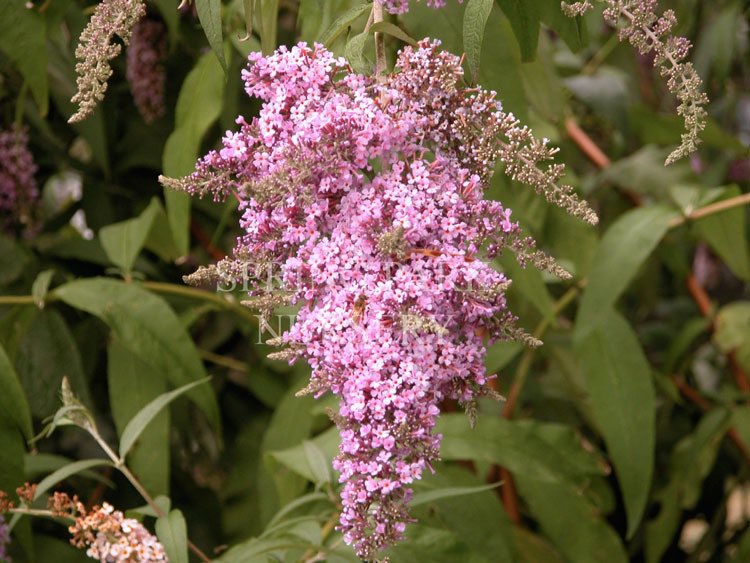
(14, 410)
(392, 30)
(342, 23)
(533, 548)
(22, 39)
(64, 472)
(209, 14)
(475, 20)
(726, 233)
(40, 287)
(46, 353)
(141, 420)
(297, 459)
(123, 241)
(198, 106)
(13, 260)
(570, 522)
(732, 331)
(248, 7)
(572, 30)
(691, 461)
(449, 492)
(353, 53)
(172, 533)
(269, 16)
(15, 423)
(132, 385)
(524, 19)
(623, 249)
(318, 462)
(148, 327)
(522, 447)
(618, 380)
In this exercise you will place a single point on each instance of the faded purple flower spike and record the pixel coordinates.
(18, 188)
(145, 70)
(4, 541)
(95, 49)
(637, 22)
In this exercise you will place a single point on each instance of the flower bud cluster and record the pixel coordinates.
(95, 49)
(145, 69)
(18, 188)
(369, 195)
(105, 533)
(637, 22)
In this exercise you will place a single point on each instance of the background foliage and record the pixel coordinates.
(625, 437)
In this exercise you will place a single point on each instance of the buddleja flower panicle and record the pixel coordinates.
(18, 188)
(368, 196)
(637, 22)
(95, 50)
(105, 533)
(145, 68)
(4, 540)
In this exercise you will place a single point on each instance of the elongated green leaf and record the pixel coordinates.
(475, 20)
(248, 7)
(618, 380)
(209, 14)
(449, 492)
(354, 54)
(123, 241)
(524, 19)
(726, 232)
(14, 410)
(624, 248)
(172, 533)
(40, 287)
(573, 524)
(318, 462)
(148, 327)
(133, 384)
(198, 106)
(269, 17)
(171, 17)
(139, 422)
(393, 30)
(22, 39)
(15, 424)
(64, 472)
(692, 459)
(47, 352)
(343, 22)
(522, 447)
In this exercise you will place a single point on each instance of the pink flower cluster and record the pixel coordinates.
(111, 537)
(145, 69)
(368, 195)
(402, 6)
(18, 188)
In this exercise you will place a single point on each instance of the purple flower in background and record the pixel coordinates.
(18, 188)
(145, 69)
(4, 541)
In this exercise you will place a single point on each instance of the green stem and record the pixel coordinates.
(228, 303)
